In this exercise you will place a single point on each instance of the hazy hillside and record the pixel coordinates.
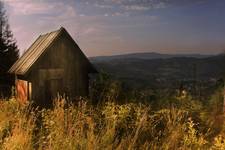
(162, 70)
(151, 55)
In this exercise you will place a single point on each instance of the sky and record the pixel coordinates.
(112, 27)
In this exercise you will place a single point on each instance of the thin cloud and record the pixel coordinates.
(130, 7)
(110, 7)
(28, 7)
(100, 25)
(47, 7)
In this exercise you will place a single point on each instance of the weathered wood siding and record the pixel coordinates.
(62, 61)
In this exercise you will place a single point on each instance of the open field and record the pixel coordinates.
(180, 123)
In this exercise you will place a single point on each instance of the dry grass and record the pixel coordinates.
(110, 126)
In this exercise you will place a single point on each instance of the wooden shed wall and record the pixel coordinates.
(63, 59)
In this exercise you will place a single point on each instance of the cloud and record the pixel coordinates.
(129, 5)
(40, 7)
(96, 24)
(134, 6)
(102, 7)
(41, 12)
(30, 18)
(28, 7)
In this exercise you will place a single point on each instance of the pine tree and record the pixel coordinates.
(9, 52)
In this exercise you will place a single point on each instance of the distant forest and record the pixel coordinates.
(159, 71)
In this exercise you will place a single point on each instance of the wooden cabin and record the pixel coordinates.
(54, 64)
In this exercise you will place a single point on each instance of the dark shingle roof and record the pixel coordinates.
(23, 64)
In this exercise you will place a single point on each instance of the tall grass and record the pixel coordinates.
(108, 126)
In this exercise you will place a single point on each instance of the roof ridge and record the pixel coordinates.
(58, 30)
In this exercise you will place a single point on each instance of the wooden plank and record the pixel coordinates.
(50, 74)
(22, 90)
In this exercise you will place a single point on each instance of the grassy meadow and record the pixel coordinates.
(173, 123)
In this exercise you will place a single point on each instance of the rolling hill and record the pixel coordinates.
(162, 70)
(151, 55)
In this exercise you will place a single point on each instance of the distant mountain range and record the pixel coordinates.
(162, 70)
(151, 55)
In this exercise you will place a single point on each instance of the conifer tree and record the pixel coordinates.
(9, 52)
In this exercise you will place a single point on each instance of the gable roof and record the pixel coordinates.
(24, 63)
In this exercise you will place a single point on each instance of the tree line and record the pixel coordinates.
(9, 52)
